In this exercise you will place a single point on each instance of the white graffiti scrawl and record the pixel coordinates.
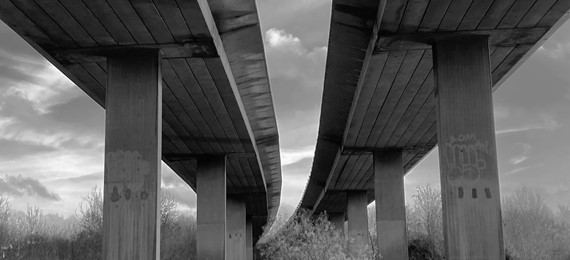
(465, 157)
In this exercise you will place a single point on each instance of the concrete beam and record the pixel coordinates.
(357, 202)
(390, 204)
(467, 150)
(211, 208)
(497, 37)
(235, 229)
(132, 156)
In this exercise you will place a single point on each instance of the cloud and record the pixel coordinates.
(290, 156)
(26, 186)
(11, 149)
(311, 18)
(548, 123)
(521, 157)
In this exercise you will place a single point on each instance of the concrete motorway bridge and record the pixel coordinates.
(184, 81)
(403, 76)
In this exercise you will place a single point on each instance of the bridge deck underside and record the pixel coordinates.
(391, 103)
(207, 85)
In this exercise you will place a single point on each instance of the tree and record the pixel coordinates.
(425, 218)
(531, 230)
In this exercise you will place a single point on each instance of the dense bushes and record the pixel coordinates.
(305, 237)
(29, 236)
(532, 230)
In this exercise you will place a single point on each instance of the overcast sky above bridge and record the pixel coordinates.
(52, 134)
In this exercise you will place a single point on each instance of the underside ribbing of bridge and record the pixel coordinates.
(467, 150)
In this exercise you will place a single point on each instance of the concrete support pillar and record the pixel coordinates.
(467, 151)
(235, 229)
(211, 208)
(132, 156)
(248, 239)
(357, 213)
(390, 204)
(337, 219)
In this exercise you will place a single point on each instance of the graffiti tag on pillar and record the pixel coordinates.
(129, 169)
(465, 157)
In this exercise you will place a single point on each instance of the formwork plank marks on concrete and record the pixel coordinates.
(413, 15)
(337, 171)
(68, 23)
(555, 13)
(495, 14)
(393, 65)
(96, 72)
(169, 133)
(517, 11)
(109, 19)
(434, 14)
(499, 55)
(229, 99)
(393, 15)
(180, 87)
(83, 15)
(375, 68)
(345, 173)
(174, 20)
(213, 93)
(181, 124)
(536, 13)
(454, 15)
(507, 64)
(474, 15)
(38, 23)
(210, 128)
(254, 175)
(152, 19)
(407, 99)
(414, 115)
(87, 82)
(405, 74)
(130, 18)
(360, 180)
(354, 172)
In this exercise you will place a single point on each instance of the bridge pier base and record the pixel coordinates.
(357, 202)
(390, 204)
(133, 135)
(248, 239)
(211, 208)
(467, 150)
(236, 229)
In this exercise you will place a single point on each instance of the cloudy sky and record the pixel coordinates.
(51, 133)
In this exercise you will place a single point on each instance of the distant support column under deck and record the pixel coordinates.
(390, 204)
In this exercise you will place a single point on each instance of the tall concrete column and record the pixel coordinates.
(357, 214)
(235, 229)
(248, 239)
(390, 204)
(211, 208)
(132, 156)
(467, 150)
(337, 219)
